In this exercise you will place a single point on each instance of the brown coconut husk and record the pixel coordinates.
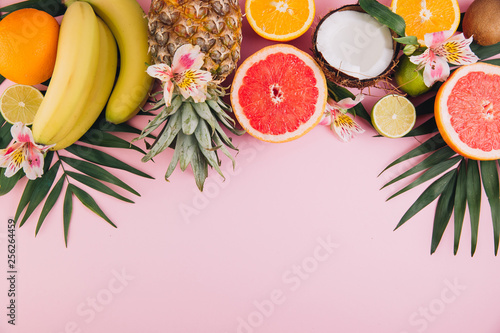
(341, 78)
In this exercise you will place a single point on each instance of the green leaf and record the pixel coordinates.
(493, 61)
(8, 183)
(483, 52)
(53, 7)
(25, 198)
(444, 209)
(188, 147)
(338, 93)
(160, 118)
(410, 40)
(384, 15)
(97, 172)
(489, 175)
(204, 112)
(222, 147)
(189, 119)
(204, 139)
(96, 185)
(1, 79)
(426, 107)
(105, 139)
(42, 188)
(89, 202)
(174, 161)
(427, 196)
(227, 141)
(5, 135)
(166, 137)
(473, 200)
(432, 144)
(101, 158)
(429, 174)
(437, 157)
(49, 203)
(200, 169)
(67, 212)
(426, 127)
(460, 203)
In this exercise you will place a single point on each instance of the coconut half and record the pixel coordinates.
(353, 48)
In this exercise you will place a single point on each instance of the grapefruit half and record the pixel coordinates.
(279, 93)
(467, 111)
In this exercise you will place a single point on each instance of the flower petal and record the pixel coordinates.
(421, 59)
(437, 69)
(33, 163)
(457, 50)
(162, 72)
(345, 127)
(348, 103)
(168, 91)
(435, 38)
(21, 133)
(15, 162)
(187, 57)
(193, 83)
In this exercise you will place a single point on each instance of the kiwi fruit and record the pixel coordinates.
(482, 22)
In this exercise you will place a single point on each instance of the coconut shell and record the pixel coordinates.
(341, 78)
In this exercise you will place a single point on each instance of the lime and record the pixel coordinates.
(20, 103)
(393, 116)
(408, 78)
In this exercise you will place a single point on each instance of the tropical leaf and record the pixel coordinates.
(460, 203)
(384, 15)
(102, 158)
(49, 203)
(489, 175)
(67, 212)
(427, 127)
(96, 185)
(473, 200)
(443, 213)
(484, 52)
(53, 7)
(89, 202)
(105, 139)
(427, 196)
(338, 93)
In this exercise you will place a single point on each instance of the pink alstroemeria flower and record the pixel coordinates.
(23, 152)
(443, 48)
(336, 117)
(185, 73)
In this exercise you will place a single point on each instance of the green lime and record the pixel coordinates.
(393, 116)
(408, 78)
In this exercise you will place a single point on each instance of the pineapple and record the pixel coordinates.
(193, 128)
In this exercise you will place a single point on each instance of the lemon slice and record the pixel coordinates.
(393, 116)
(20, 103)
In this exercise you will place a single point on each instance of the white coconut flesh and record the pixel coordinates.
(355, 44)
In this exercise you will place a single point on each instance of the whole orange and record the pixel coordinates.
(28, 46)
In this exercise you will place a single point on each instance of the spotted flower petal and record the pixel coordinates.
(163, 72)
(436, 38)
(345, 126)
(23, 153)
(193, 83)
(436, 69)
(187, 57)
(456, 50)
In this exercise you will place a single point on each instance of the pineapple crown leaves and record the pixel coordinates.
(88, 169)
(193, 130)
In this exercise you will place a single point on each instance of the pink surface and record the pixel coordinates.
(297, 239)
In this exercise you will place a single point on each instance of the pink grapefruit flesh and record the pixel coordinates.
(279, 93)
(467, 111)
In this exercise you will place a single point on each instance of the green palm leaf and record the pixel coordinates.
(96, 185)
(460, 203)
(473, 200)
(49, 203)
(489, 175)
(444, 209)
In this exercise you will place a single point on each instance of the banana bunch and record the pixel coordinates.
(84, 78)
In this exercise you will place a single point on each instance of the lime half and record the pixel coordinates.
(20, 103)
(393, 116)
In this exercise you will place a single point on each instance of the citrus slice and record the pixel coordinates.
(467, 111)
(279, 93)
(280, 20)
(20, 103)
(426, 16)
(393, 116)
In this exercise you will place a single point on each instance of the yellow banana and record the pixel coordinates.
(127, 21)
(101, 88)
(73, 77)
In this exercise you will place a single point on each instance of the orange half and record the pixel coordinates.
(280, 20)
(427, 16)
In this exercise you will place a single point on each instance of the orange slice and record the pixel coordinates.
(427, 16)
(280, 20)
(467, 111)
(279, 93)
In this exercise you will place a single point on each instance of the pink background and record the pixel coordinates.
(298, 239)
